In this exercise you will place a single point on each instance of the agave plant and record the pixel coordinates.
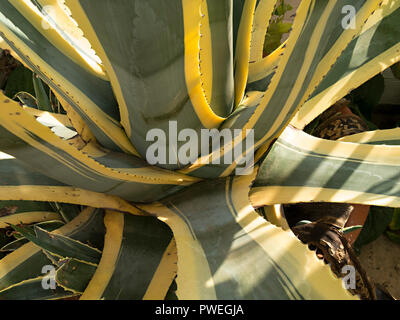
(123, 68)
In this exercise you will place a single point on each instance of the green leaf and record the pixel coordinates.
(22, 206)
(32, 289)
(66, 210)
(143, 46)
(50, 225)
(60, 245)
(277, 28)
(22, 264)
(19, 80)
(282, 8)
(351, 229)
(368, 54)
(228, 251)
(303, 168)
(26, 99)
(396, 70)
(14, 245)
(274, 35)
(134, 246)
(75, 275)
(55, 260)
(42, 95)
(263, 17)
(27, 261)
(4, 239)
(90, 96)
(393, 235)
(96, 169)
(394, 225)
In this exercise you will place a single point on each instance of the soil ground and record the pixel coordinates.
(381, 260)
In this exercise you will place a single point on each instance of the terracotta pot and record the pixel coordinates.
(357, 217)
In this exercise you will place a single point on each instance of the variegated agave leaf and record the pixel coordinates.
(200, 65)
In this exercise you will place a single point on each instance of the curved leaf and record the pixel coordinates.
(376, 137)
(227, 251)
(27, 261)
(32, 289)
(242, 49)
(74, 275)
(216, 55)
(14, 245)
(28, 218)
(20, 183)
(90, 96)
(60, 245)
(96, 170)
(56, 15)
(372, 51)
(138, 260)
(302, 168)
(262, 16)
(316, 41)
(140, 68)
(262, 71)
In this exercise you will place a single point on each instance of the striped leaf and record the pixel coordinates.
(115, 173)
(146, 44)
(56, 15)
(122, 68)
(262, 15)
(216, 55)
(50, 225)
(74, 275)
(302, 168)
(242, 48)
(27, 262)
(14, 245)
(376, 137)
(316, 41)
(227, 251)
(20, 182)
(32, 289)
(60, 245)
(373, 50)
(138, 261)
(28, 218)
(90, 96)
(15, 207)
(262, 71)
(261, 68)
